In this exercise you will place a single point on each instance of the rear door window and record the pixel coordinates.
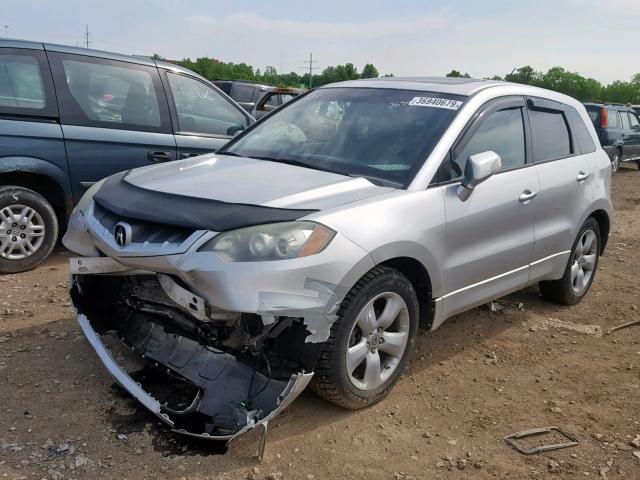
(201, 109)
(25, 83)
(625, 121)
(633, 119)
(105, 93)
(549, 132)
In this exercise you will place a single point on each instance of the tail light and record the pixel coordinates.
(603, 118)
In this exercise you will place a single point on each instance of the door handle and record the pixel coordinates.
(159, 156)
(184, 155)
(582, 176)
(527, 196)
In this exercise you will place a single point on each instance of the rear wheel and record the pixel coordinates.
(370, 342)
(581, 268)
(28, 229)
(615, 161)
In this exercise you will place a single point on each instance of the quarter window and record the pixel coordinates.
(202, 109)
(502, 132)
(612, 118)
(634, 121)
(549, 134)
(580, 131)
(242, 93)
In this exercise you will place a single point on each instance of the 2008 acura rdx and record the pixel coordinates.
(315, 243)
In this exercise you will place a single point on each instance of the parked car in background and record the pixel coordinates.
(245, 92)
(618, 129)
(311, 246)
(273, 99)
(71, 116)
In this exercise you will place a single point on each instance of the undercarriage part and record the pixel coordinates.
(207, 379)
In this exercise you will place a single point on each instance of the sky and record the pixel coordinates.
(598, 39)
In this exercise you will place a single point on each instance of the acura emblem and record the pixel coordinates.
(122, 234)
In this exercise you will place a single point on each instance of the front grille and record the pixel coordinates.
(144, 235)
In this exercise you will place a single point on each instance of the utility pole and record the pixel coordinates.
(87, 42)
(311, 61)
(6, 31)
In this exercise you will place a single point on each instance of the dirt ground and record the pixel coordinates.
(480, 377)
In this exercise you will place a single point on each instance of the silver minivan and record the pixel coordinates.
(312, 246)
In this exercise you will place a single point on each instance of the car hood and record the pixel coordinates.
(256, 182)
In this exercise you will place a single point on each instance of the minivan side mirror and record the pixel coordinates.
(479, 168)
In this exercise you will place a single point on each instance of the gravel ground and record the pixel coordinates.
(480, 377)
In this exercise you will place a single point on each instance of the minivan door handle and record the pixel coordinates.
(527, 196)
(582, 176)
(159, 156)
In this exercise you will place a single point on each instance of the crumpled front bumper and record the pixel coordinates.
(185, 359)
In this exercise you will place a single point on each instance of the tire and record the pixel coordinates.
(380, 287)
(564, 291)
(615, 161)
(28, 229)
(638, 164)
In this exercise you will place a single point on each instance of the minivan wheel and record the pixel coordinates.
(28, 229)
(581, 268)
(370, 342)
(615, 161)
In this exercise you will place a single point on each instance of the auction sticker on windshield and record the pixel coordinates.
(436, 102)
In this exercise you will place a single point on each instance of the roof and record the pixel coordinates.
(455, 85)
(139, 59)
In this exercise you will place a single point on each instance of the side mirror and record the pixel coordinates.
(479, 168)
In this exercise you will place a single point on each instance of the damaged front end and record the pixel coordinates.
(204, 372)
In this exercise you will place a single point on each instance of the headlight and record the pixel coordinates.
(275, 241)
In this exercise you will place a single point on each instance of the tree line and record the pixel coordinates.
(556, 78)
(213, 69)
(573, 84)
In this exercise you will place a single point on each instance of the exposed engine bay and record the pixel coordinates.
(203, 371)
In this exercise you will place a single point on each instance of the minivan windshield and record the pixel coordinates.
(380, 134)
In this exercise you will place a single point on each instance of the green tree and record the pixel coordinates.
(456, 73)
(524, 74)
(369, 71)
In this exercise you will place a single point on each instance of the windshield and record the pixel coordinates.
(380, 134)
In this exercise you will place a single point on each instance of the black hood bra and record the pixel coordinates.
(127, 200)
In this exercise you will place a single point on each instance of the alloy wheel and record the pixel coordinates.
(378, 341)
(22, 232)
(584, 261)
(615, 163)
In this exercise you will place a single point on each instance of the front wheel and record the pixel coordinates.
(370, 342)
(581, 268)
(28, 229)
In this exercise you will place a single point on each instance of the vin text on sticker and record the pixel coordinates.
(436, 102)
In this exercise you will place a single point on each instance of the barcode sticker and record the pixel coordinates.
(436, 102)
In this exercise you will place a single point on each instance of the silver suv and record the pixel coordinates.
(313, 245)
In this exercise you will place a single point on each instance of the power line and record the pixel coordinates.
(311, 68)
(87, 42)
